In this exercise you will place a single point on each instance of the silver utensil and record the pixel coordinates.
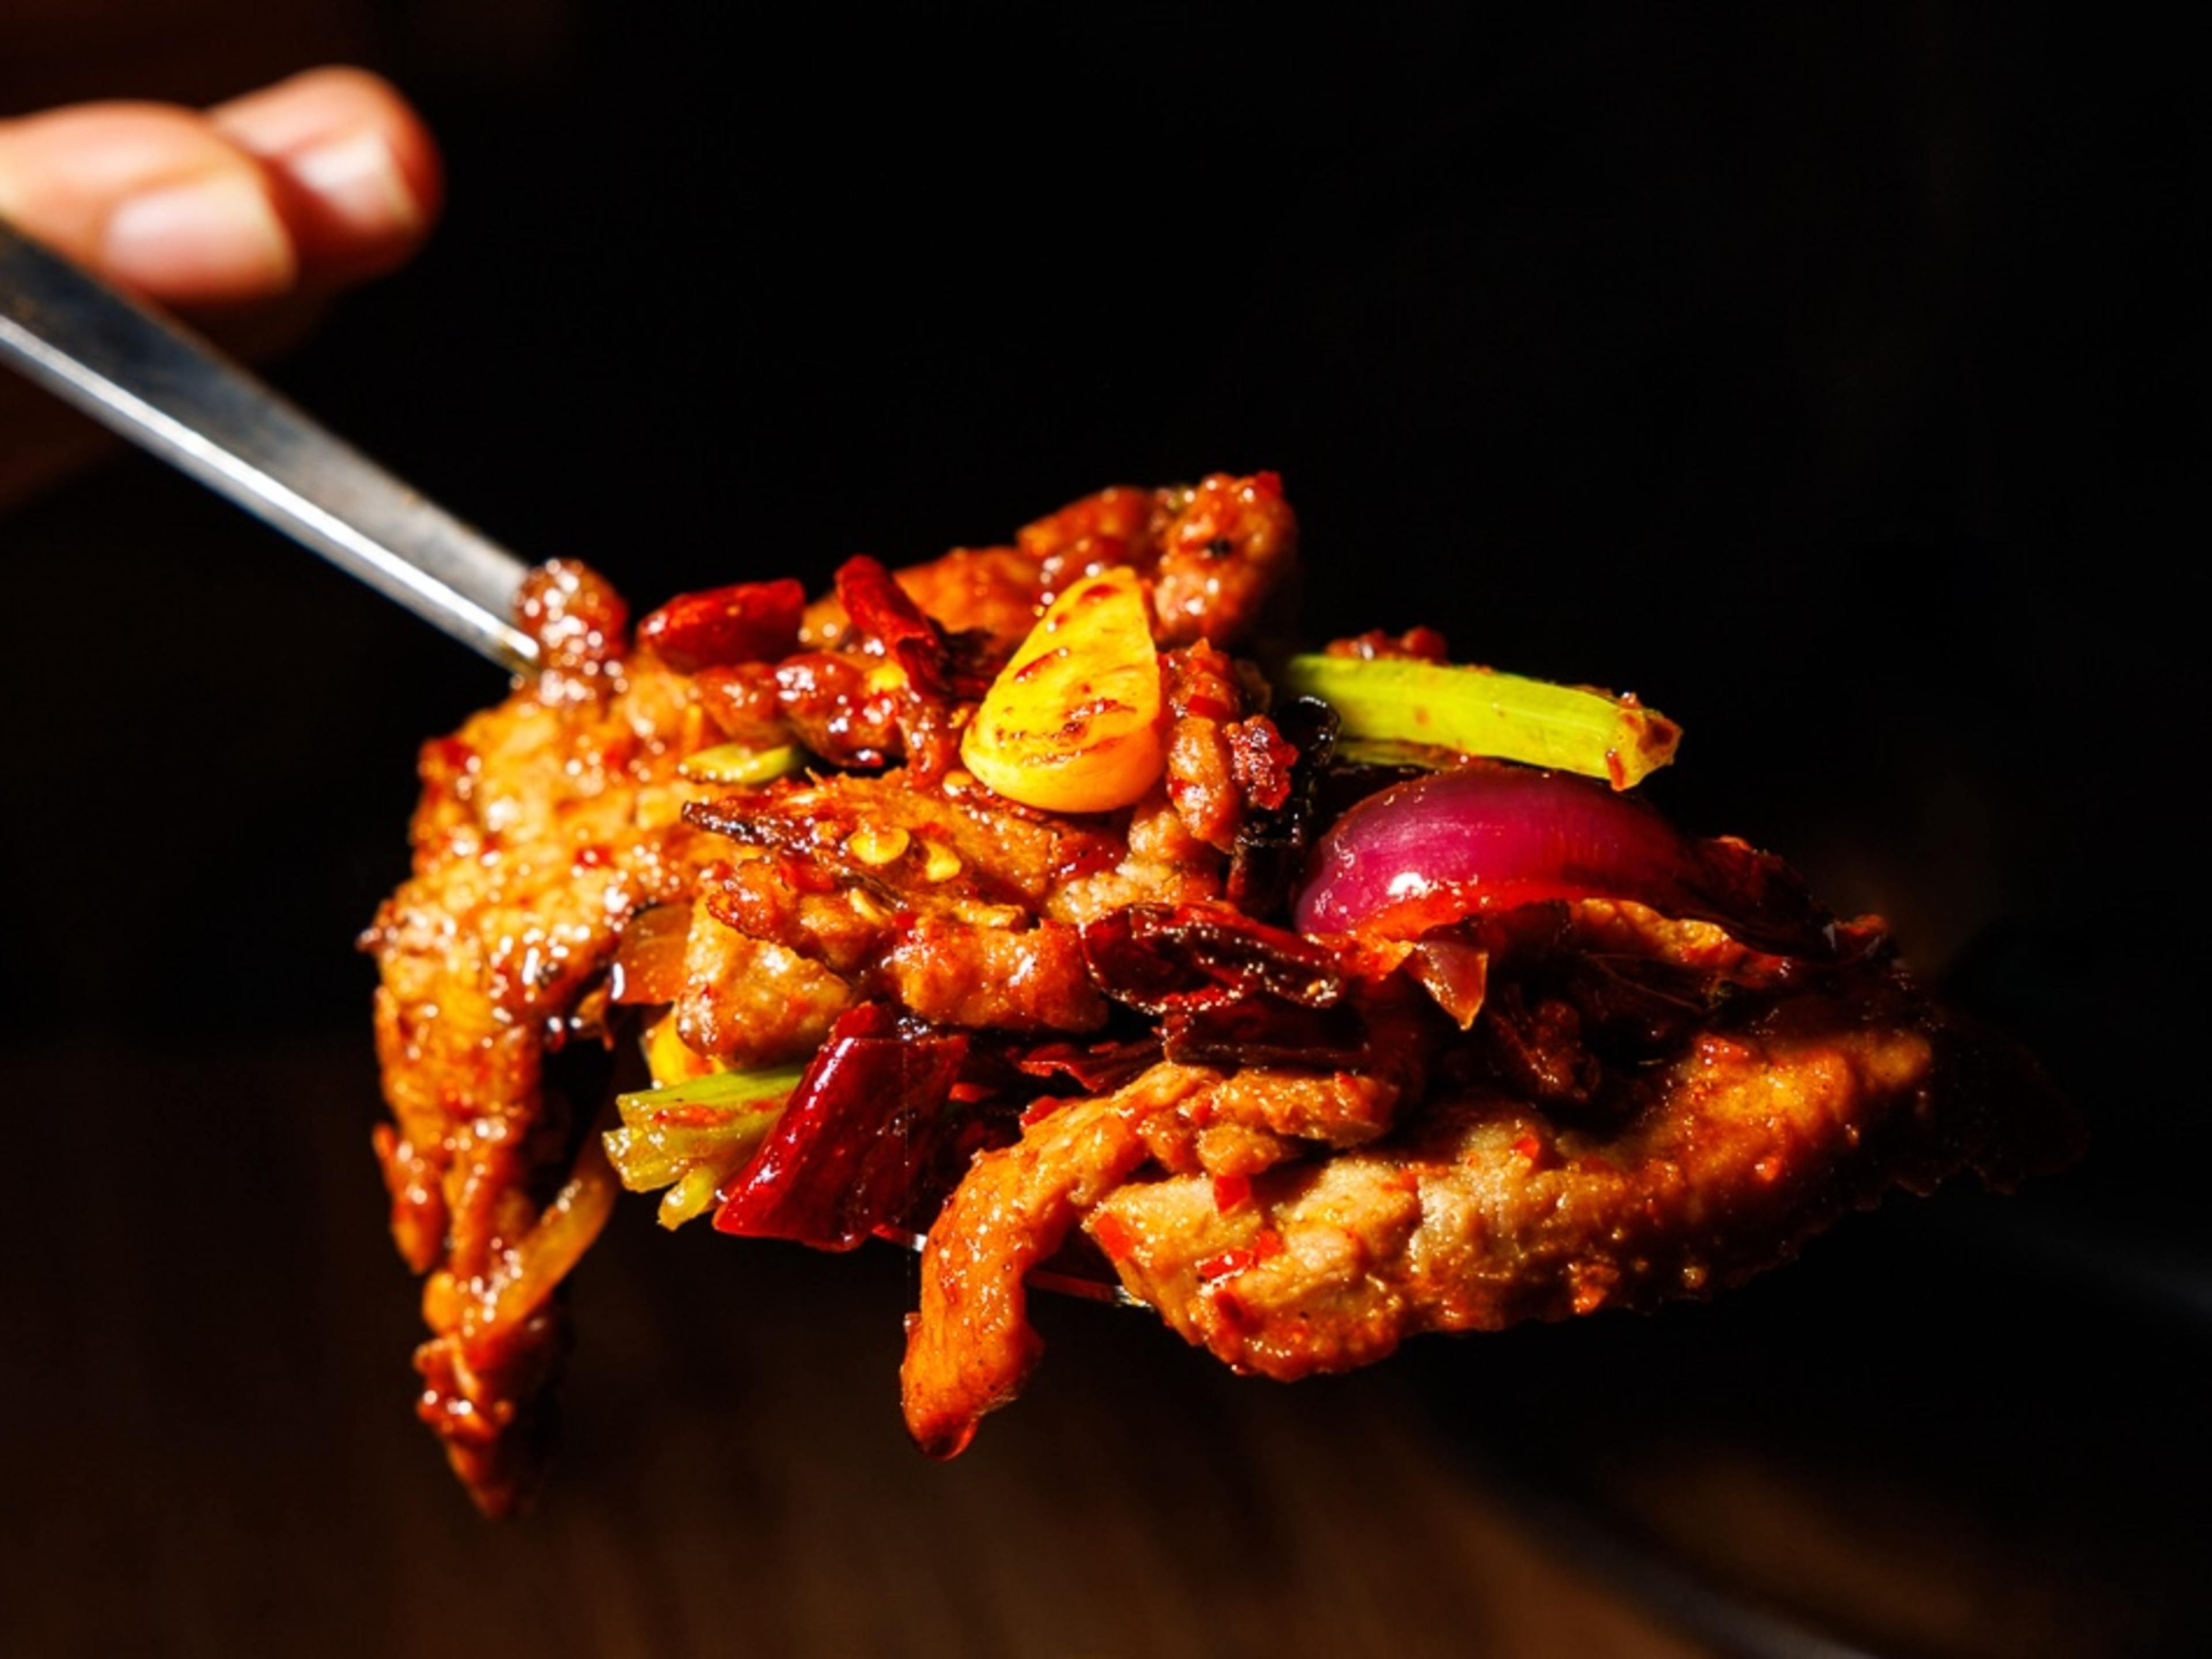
(162, 387)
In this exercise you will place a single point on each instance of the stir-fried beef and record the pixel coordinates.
(544, 824)
(879, 994)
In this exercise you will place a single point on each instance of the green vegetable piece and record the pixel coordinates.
(723, 1089)
(1479, 711)
(738, 762)
(693, 1136)
(640, 1162)
(692, 1195)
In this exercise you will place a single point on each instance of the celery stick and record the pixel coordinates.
(640, 1162)
(725, 1089)
(693, 1135)
(694, 1192)
(1479, 711)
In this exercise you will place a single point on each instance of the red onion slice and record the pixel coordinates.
(1433, 850)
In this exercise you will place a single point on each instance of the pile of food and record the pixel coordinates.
(997, 900)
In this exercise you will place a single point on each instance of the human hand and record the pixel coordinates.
(302, 187)
(248, 214)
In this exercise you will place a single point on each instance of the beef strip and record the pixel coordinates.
(544, 823)
(1476, 1205)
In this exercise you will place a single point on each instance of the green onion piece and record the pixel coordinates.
(1479, 711)
(738, 762)
(641, 1164)
(694, 1192)
(693, 1136)
(718, 1091)
(678, 1143)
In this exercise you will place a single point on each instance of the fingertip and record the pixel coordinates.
(359, 176)
(151, 196)
(323, 178)
(212, 239)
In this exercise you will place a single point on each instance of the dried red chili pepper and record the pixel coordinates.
(746, 621)
(860, 1130)
(1194, 956)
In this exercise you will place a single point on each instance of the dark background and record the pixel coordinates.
(1838, 385)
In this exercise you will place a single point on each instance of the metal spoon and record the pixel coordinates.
(164, 388)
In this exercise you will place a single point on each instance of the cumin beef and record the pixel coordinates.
(1020, 1026)
(547, 825)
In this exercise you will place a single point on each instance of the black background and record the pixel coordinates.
(1838, 384)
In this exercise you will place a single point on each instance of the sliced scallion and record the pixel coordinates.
(693, 1136)
(1480, 711)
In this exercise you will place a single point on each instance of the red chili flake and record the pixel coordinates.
(1228, 1262)
(1614, 771)
(1113, 1236)
(590, 858)
(1207, 707)
(1230, 1191)
(1424, 644)
(1530, 1148)
(1269, 1243)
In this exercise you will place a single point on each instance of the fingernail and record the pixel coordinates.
(357, 178)
(204, 239)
